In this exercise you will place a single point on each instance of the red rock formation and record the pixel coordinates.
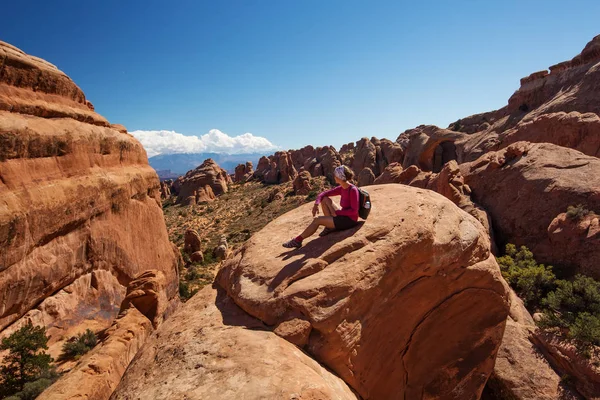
(302, 184)
(211, 349)
(417, 279)
(78, 195)
(203, 183)
(526, 186)
(429, 147)
(565, 358)
(365, 156)
(520, 371)
(570, 86)
(99, 373)
(278, 168)
(366, 177)
(243, 172)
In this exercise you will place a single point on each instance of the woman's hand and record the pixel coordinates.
(315, 209)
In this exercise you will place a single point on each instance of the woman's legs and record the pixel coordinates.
(328, 207)
(326, 221)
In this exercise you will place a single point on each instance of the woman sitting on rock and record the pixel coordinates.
(334, 218)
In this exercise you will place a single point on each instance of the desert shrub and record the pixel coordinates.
(577, 212)
(31, 390)
(185, 293)
(586, 329)
(312, 195)
(573, 305)
(530, 280)
(78, 345)
(192, 274)
(209, 258)
(184, 290)
(26, 361)
(576, 306)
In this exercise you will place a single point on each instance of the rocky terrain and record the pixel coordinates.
(412, 303)
(80, 216)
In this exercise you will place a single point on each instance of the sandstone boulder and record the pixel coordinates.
(192, 241)
(429, 147)
(526, 186)
(366, 177)
(302, 184)
(211, 349)
(416, 279)
(197, 257)
(203, 183)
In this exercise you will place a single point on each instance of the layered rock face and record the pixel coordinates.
(101, 370)
(202, 184)
(80, 219)
(278, 168)
(77, 195)
(211, 349)
(526, 186)
(417, 279)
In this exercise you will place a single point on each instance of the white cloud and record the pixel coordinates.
(215, 141)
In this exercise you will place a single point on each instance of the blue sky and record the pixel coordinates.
(298, 72)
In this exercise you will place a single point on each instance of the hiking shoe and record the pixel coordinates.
(292, 244)
(326, 231)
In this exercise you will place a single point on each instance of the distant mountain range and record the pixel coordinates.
(179, 164)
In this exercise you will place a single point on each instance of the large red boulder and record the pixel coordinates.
(409, 304)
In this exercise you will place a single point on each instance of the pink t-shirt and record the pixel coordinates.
(348, 201)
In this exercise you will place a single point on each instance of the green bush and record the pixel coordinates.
(577, 212)
(530, 280)
(312, 195)
(26, 361)
(78, 345)
(571, 305)
(31, 390)
(586, 329)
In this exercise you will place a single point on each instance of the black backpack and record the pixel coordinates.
(364, 203)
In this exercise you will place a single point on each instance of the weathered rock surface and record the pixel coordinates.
(192, 241)
(203, 183)
(90, 302)
(211, 349)
(77, 194)
(556, 107)
(429, 147)
(278, 168)
(243, 172)
(302, 183)
(416, 279)
(521, 372)
(526, 186)
(366, 177)
(565, 358)
(98, 373)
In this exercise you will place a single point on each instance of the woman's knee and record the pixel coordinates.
(326, 200)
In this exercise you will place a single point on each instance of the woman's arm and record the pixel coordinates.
(353, 210)
(336, 191)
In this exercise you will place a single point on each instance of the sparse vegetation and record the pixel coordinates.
(577, 212)
(570, 307)
(78, 345)
(237, 214)
(26, 369)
